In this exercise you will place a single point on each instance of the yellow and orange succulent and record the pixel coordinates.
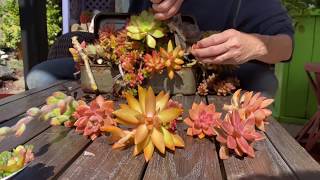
(148, 119)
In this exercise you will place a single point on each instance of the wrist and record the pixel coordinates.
(261, 46)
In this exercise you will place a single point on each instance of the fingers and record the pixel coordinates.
(210, 51)
(164, 6)
(167, 9)
(226, 58)
(156, 1)
(213, 40)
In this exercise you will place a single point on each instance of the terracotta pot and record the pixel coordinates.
(103, 76)
(184, 82)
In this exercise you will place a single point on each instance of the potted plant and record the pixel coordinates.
(137, 53)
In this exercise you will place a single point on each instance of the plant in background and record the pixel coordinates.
(218, 84)
(148, 119)
(91, 117)
(11, 162)
(301, 7)
(202, 120)
(54, 20)
(154, 63)
(145, 27)
(173, 58)
(251, 104)
(238, 135)
(10, 23)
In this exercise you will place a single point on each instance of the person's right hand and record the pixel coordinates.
(165, 9)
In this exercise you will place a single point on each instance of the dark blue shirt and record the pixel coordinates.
(267, 17)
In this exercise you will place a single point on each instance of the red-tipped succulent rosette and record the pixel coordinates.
(237, 135)
(91, 117)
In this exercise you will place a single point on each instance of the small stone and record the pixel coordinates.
(6, 73)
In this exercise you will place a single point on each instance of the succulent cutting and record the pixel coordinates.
(90, 117)
(203, 120)
(251, 104)
(58, 109)
(238, 135)
(148, 119)
(237, 132)
(11, 162)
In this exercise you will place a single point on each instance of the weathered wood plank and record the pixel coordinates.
(267, 164)
(106, 164)
(55, 149)
(20, 106)
(198, 160)
(27, 93)
(297, 158)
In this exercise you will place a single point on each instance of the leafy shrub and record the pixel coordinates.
(300, 7)
(10, 23)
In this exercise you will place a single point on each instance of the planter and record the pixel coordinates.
(103, 76)
(184, 82)
(295, 102)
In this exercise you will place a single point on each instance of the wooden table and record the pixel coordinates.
(60, 151)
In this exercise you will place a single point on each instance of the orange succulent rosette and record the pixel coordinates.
(202, 120)
(250, 103)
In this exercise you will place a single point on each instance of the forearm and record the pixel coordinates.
(274, 49)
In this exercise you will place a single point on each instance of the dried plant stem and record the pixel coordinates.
(85, 59)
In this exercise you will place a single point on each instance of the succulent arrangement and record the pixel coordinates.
(149, 119)
(137, 51)
(237, 131)
(11, 162)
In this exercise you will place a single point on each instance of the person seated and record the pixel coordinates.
(254, 34)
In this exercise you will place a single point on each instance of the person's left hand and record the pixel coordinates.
(229, 47)
(165, 9)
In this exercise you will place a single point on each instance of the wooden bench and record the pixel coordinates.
(60, 151)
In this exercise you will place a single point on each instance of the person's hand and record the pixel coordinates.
(165, 9)
(230, 47)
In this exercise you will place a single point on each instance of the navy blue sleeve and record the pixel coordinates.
(267, 17)
(136, 6)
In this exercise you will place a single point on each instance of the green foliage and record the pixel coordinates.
(54, 20)
(301, 7)
(145, 26)
(10, 23)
